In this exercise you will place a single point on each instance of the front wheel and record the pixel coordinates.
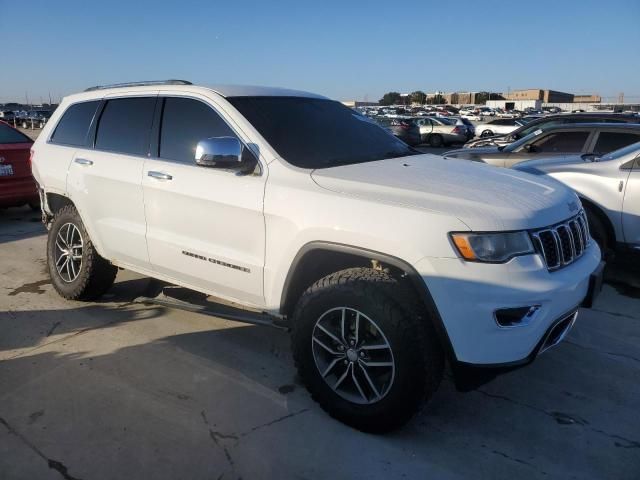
(366, 356)
(77, 271)
(599, 233)
(486, 133)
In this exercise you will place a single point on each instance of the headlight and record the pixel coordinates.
(492, 247)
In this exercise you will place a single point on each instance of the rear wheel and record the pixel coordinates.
(77, 271)
(436, 141)
(365, 354)
(486, 133)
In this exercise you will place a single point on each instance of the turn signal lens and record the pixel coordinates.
(492, 247)
(463, 247)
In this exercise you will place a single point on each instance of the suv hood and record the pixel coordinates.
(483, 197)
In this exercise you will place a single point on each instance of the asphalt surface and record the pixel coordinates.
(116, 389)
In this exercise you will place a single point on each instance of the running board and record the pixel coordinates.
(217, 310)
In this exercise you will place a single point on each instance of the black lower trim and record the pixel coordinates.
(469, 376)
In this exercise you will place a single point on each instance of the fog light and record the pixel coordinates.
(516, 317)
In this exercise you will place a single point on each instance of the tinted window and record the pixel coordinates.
(610, 141)
(561, 142)
(9, 135)
(318, 133)
(184, 123)
(73, 126)
(125, 124)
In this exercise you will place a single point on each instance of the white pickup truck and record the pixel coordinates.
(386, 263)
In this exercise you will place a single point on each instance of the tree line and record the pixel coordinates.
(419, 97)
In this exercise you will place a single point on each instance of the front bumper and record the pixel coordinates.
(468, 294)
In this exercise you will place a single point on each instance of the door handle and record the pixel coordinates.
(159, 175)
(83, 161)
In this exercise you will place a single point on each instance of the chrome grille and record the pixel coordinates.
(562, 244)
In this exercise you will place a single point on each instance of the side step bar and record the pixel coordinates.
(168, 298)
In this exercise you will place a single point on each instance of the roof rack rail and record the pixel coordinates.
(139, 84)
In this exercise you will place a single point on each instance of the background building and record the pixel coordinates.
(587, 99)
(545, 96)
(357, 103)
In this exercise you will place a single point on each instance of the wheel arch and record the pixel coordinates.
(599, 211)
(317, 259)
(55, 202)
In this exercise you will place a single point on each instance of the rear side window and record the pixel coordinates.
(184, 123)
(74, 125)
(10, 135)
(610, 141)
(125, 124)
(561, 142)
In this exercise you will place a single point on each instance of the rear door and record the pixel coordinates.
(553, 144)
(608, 140)
(631, 207)
(104, 179)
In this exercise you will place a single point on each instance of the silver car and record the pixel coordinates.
(439, 131)
(609, 188)
(557, 141)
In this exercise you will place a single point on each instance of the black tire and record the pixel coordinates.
(436, 141)
(486, 134)
(599, 232)
(95, 274)
(417, 355)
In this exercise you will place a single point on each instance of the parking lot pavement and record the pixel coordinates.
(116, 389)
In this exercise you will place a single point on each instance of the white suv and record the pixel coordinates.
(384, 262)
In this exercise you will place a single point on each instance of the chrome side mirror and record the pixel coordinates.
(219, 152)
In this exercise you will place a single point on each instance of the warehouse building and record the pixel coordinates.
(545, 96)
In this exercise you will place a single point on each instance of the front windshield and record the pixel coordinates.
(622, 152)
(318, 133)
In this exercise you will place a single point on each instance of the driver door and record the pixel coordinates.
(205, 226)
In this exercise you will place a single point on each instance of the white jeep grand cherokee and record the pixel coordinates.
(384, 262)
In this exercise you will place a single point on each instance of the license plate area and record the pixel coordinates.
(6, 170)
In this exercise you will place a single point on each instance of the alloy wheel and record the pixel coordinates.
(68, 252)
(352, 355)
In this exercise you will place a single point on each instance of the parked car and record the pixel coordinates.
(17, 186)
(498, 126)
(404, 128)
(441, 131)
(470, 128)
(557, 141)
(507, 114)
(384, 262)
(6, 115)
(471, 116)
(33, 118)
(550, 120)
(609, 189)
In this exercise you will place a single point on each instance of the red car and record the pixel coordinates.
(17, 185)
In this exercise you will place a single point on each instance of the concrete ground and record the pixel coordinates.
(115, 389)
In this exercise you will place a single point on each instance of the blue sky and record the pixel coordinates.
(343, 49)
